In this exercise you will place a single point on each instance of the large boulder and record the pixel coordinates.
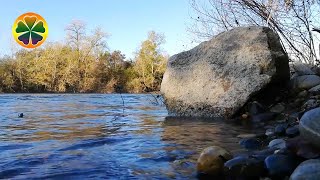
(216, 78)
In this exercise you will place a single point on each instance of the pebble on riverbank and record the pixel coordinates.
(292, 135)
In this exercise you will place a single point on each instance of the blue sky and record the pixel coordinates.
(128, 21)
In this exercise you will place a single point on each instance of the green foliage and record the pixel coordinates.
(83, 65)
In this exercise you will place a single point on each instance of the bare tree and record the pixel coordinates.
(292, 20)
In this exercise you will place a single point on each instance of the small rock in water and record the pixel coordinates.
(280, 165)
(277, 143)
(293, 131)
(269, 132)
(212, 159)
(20, 115)
(280, 129)
(309, 170)
(250, 144)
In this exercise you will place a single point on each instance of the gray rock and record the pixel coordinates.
(216, 78)
(277, 143)
(309, 169)
(280, 129)
(310, 126)
(304, 82)
(244, 167)
(292, 131)
(302, 69)
(278, 108)
(311, 104)
(304, 93)
(315, 89)
(280, 165)
(269, 132)
(212, 159)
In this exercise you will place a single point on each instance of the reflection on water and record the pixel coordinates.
(93, 136)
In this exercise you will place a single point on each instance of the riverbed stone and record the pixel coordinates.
(277, 143)
(280, 165)
(310, 126)
(278, 108)
(315, 89)
(217, 77)
(304, 82)
(292, 131)
(212, 159)
(280, 129)
(309, 169)
(302, 69)
(244, 167)
(311, 104)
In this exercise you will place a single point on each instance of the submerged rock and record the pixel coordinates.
(309, 169)
(212, 159)
(216, 78)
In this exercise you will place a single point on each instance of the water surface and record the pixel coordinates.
(93, 136)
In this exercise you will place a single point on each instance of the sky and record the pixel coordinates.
(128, 21)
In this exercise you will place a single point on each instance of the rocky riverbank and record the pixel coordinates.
(290, 146)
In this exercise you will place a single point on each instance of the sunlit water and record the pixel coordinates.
(93, 136)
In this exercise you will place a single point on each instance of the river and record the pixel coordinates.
(103, 136)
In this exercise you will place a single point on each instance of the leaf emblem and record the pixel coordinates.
(30, 30)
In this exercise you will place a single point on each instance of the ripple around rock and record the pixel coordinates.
(211, 160)
(310, 126)
(309, 169)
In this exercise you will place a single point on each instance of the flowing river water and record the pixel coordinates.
(103, 136)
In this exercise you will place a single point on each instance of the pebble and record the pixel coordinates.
(292, 131)
(277, 143)
(280, 165)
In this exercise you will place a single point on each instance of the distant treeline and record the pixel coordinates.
(83, 65)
